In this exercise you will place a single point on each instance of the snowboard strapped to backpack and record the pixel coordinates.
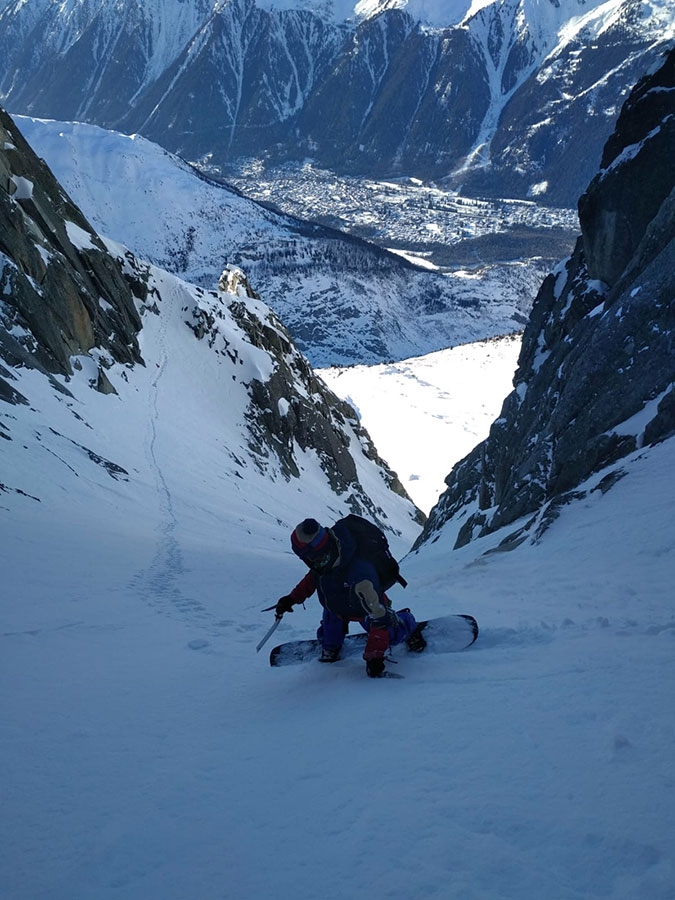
(371, 544)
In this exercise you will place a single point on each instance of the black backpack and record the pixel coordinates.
(372, 545)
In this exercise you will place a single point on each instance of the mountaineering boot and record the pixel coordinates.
(375, 668)
(329, 655)
(416, 642)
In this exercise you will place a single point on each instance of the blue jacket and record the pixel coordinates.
(351, 589)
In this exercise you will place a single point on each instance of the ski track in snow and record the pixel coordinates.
(159, 584)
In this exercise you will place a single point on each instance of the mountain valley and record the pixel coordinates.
(423, 222)
(343, 299)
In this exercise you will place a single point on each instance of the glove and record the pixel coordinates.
(283, 606)
(375, 668)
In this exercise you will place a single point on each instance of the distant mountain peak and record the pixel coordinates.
(434, 13)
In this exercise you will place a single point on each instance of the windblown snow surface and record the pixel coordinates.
(148, 751)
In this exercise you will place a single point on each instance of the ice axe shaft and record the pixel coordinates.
(269, 634)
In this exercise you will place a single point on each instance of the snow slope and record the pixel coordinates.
(148, 751)
(137, 193)
(431, 411)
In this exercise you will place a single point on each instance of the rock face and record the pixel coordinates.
(494, 103)
(293, 407)
(61, 294)
(595, 378)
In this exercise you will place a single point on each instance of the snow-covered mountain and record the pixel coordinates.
(343, 300)
(109, 365)
(515, 99)
(148, 751)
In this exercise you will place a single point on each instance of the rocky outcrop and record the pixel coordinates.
(61, 293)
(596, 374)
(292, 408)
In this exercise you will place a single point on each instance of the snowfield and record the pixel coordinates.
(429, 412)
(148, 751)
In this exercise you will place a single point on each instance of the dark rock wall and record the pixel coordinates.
(600, 344)
(61, 294)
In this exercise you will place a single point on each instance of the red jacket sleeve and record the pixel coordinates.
(304, 589)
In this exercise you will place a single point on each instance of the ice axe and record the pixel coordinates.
(277, 620)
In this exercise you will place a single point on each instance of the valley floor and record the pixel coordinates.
(419, 220)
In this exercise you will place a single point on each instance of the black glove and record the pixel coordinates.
(375, 668)
(283, 606)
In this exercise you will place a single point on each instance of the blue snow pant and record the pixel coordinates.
(332, 630)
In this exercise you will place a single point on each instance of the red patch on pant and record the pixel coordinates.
(377, 644)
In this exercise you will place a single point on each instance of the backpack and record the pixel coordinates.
(372, 545)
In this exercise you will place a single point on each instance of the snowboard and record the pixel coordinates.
(446, 634)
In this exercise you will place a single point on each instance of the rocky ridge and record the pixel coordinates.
(61, 294)
(596, 373)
